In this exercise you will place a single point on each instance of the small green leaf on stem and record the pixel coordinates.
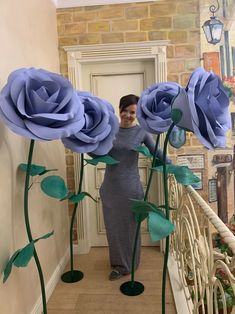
(76, 198)
(106, 159)
(182, 174)
(54, 186)
(34, 169)
(143, 150)
(176, 115)
(159, 226)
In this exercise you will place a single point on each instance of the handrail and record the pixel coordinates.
(200, 264)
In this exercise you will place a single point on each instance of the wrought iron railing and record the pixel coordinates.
(205, 270)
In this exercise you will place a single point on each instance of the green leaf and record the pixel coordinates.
(106, 159)
(8, 267)
(34, 169)
(67, 196)
(141, 208)
(159, 226)
(176, 115)
(46, 236)
(143, 150)
(75, 198)
(24, 255)
(54, 186)
(47, 170)
(182, 174)
(158, 162)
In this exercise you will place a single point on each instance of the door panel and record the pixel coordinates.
(111, 81)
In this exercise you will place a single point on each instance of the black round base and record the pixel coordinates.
(72, 276)
(132, 288)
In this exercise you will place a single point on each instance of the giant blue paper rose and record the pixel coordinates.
(99, 130)
(204, 106)
(154, 107)
(40, 105)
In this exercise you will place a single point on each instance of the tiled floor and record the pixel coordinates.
(95, 294)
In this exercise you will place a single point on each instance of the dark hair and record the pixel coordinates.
(128, 100)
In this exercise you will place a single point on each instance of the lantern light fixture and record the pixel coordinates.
(213, 28)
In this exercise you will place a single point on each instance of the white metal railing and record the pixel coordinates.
(205, 273)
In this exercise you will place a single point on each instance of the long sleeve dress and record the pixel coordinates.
(122, 182)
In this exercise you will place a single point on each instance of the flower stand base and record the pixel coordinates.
(72, 276)
(132, 288)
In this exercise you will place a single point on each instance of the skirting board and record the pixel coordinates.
(50, 286)
(181, 303)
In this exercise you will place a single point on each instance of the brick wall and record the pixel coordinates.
(174, 20)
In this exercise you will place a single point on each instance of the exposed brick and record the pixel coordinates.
(112, 38)
(170, 51)
(64, 17)
(184, 21)
(177, 37)
(173, 78)
(138, 12)
(72, 29)
(162, 9)
(185, 51)
(136, 36)
(71, 184)
(158, 35)
(194, 37)
(81, 17)
(124, 25)
(88, 39)
(187, 7)
(155, 24)
(68, 41)
(112, 13)
(69, 160)
(98, 27)
(192, 64)
(175, 66)
(184, 77)
(70, 172)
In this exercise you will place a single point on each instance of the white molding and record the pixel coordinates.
(51, 284)
(83, 3)
(181, 303)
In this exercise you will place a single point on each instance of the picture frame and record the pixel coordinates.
(192, 161)
(212, 190)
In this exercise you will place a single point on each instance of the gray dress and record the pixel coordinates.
(122, 182)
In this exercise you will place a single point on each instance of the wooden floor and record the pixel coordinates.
(95, 294)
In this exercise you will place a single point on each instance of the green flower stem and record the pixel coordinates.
(74, 212)
(27, 224)
(167, 241)
(139, 220)
(153, 165)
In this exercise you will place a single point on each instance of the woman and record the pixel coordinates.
(122, 182)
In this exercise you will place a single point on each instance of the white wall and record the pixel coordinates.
(28, 39)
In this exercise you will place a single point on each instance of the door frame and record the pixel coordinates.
(89, 54)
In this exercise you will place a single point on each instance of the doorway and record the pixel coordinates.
(111, 71)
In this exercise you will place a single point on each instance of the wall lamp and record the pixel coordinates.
(213, 28)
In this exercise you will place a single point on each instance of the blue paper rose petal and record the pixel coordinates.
(99, 130)
(154, 107)
(204, 104)
(40, 105)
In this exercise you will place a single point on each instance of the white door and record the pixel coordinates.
(111, 81)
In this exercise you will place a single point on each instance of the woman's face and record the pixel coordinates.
(128, 116)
